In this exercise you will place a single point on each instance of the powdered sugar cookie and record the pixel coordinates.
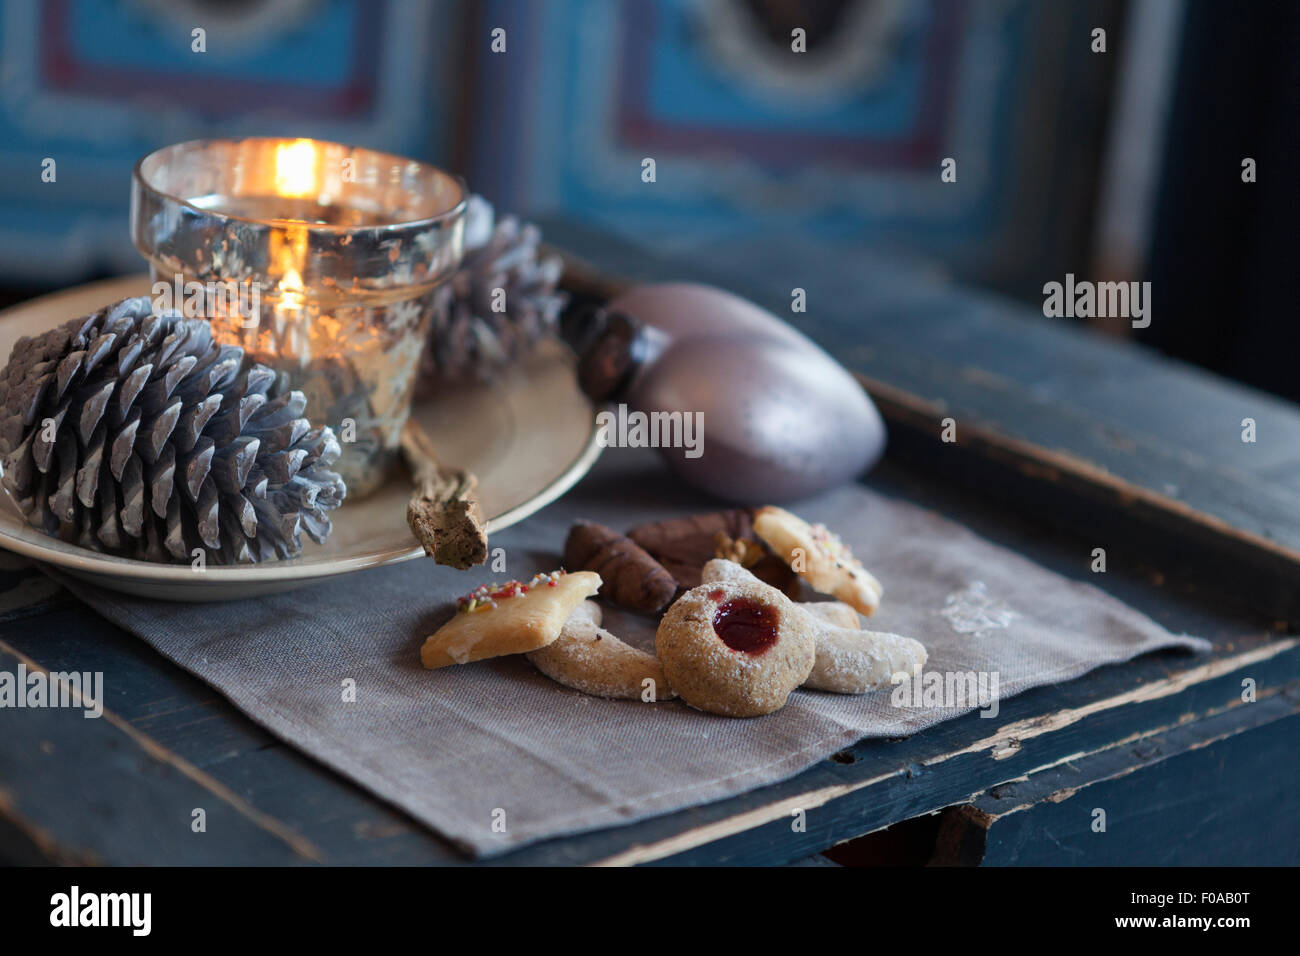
(735, 648)
(819, 556)
(850, 661)
(847, 660)
(835, 613)
(510, 618)
(588, 658)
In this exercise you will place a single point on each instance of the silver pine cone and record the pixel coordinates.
(469, 338)
(135, 433)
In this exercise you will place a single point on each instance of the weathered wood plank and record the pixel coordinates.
(117, 796)
(1169, 799)
(191, 721)
(937, 777)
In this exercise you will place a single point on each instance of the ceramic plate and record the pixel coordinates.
(529, 437)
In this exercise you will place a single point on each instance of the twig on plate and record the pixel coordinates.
(444, 513)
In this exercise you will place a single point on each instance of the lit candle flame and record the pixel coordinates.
(291, 289)
(292, 324)
(295, 169)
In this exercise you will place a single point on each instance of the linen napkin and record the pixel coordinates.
(493, 755)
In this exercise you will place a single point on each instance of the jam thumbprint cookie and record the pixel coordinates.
(735, 648)
(847, 660)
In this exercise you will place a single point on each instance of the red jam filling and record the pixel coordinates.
(746, 625)
(716, 595)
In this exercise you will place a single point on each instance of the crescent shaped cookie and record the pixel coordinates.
(819, 556)
(590, 659)
(835, 613)
(858, 662)
(511, 618)
(847, 660)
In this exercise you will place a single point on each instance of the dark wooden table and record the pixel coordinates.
(1066, 443)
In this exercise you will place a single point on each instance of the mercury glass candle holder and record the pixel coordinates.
(319, 259)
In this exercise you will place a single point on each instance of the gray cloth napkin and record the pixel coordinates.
(457, 747)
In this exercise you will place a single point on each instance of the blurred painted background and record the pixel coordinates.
(1122, 164)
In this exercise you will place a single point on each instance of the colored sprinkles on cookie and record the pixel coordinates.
(485, 596)
(835, 549)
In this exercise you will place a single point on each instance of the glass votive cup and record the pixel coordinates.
(318, 259)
